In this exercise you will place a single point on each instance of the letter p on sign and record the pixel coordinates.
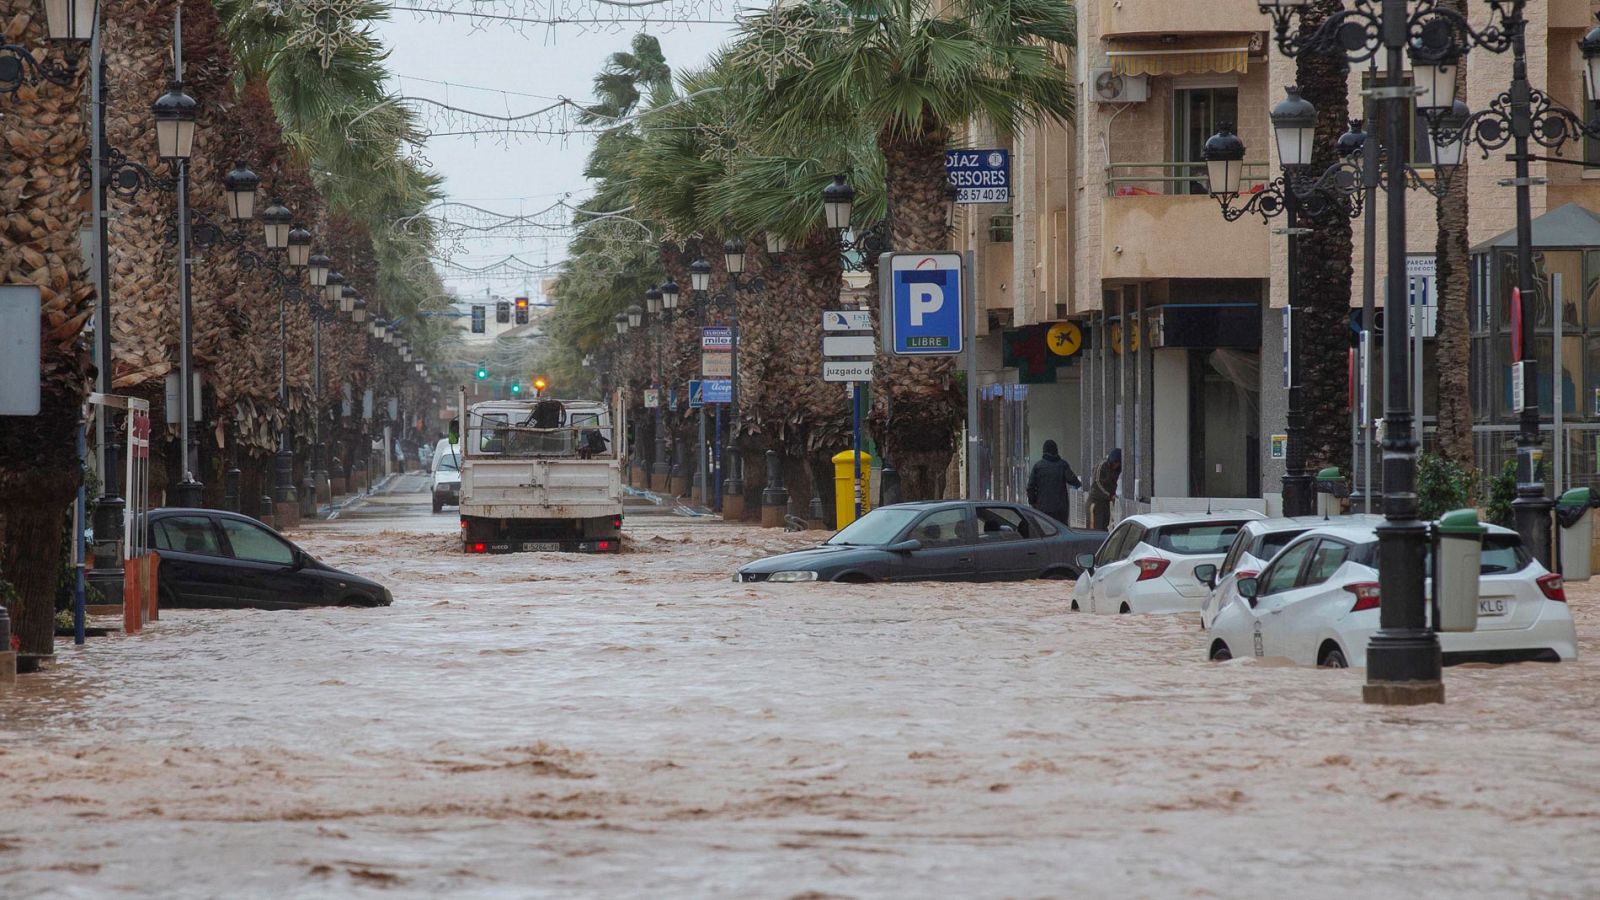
(926, 299)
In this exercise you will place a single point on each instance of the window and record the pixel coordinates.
(1000, 523)
(941, 529)
(877, 527)
(1329, 557)
(254, 543)
(1200, 538)
(1197, 115)
(478, 316)
(188, 534)
(1119, 544)
(1235, 552)
(1043, 526)
(1282, 574)
(1272, 543)
(1502, 553)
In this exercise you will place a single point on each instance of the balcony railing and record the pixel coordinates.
(1171, 178)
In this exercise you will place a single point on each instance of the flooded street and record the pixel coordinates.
(638, 725)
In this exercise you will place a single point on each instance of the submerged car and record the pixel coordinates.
(936, 541)
(1147, 564)
(1255, 546)
(212, 559)
(1317, 603)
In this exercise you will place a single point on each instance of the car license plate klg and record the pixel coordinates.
(1493, 606)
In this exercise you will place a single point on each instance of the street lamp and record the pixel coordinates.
(358, 312)
(635, 316)
(1223, 153)
(1294, 124)
(837, 199)
(299, 246)
(952, 197)
(277, 225)
(175, 114)
(652, 300)
(669, 295)
(333, 288)
(777, 244)
(347, 299)
(620, 321)
(700, 275)
(70, 20)
(240, 185)
(317, 267)
(733, 256)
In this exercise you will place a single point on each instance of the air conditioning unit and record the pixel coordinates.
(1107, 86)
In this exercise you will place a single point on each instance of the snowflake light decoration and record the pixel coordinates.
(326, 26)
(773, 41)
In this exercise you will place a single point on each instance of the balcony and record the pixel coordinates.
(1159, 223)
(1126, 18)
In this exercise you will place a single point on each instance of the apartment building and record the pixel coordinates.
(1111, 228)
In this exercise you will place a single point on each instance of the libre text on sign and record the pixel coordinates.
(923, 306)
(980, 176)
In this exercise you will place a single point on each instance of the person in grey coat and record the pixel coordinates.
(1047, 486)
(1104, 490)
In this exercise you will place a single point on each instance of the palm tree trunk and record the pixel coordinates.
(42, 208)
(1454, 337)
(917, 408)
(1322, 320)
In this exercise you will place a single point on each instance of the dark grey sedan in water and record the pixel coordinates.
(958, 540)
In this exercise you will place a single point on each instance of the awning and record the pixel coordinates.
(1226, 53)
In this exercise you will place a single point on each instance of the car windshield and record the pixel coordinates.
(1198, 538)
(875, 528)
(448, 461)
(1501, 553)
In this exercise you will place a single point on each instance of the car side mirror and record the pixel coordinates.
(301, 558)
(1206, 574)
(455, 431)
(1086, 561)
(1248, 588)
(905, 546)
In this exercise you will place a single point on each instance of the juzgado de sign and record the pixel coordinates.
(980, 176)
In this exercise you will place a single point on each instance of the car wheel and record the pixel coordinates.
(1220, 652)
(1074, 606)
(853, 578)
(1332, 657)
(438, 503)
(1125, 609)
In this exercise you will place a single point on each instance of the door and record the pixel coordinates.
(1009, 545)
(947, 552)
(1291, 630)
(1197, 114)
(1277, 589)
(195, 570)
(1113, 573)
(267, 574)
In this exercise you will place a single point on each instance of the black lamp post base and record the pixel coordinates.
(188, 493)
(283, 477)
(1403, 668)
(1403, 693)
(1299, 498)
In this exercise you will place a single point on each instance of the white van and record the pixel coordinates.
(446, 470)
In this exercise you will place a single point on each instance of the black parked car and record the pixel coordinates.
(211, 559)
(958, 540)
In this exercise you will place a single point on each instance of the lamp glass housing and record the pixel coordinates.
(1449, 146)
(70, 20)
(777, 244)
(1436, 84)
(635, 316)
(670, 292)
(358, 312)
(175, 114)
(733, 256)
(837, 200)
(700, 275)
(1224, 157)
(652, 302)
(299, 244)
(240, 187)
(317, 267)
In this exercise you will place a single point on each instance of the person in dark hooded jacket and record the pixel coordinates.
(1047, 486)
(1104, 490)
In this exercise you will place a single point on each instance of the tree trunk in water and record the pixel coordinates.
(916, 407)
(1453, 336)
(30, 555)
(1322, 321)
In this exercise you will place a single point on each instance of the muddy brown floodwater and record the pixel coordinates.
(637, 725)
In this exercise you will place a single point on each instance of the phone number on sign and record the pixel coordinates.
(985, 195)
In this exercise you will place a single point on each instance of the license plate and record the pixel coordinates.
(541, 547)
(1493, 606)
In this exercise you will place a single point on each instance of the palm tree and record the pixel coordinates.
(915, 72)
(1454, 326)
(44, 208)
(1322, 317)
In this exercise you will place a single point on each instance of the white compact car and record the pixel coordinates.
(446, 469)
(1147, 563)
(1317, 604)
(1255, 546)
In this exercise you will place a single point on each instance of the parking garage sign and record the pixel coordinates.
(980, 176)
(922, 300)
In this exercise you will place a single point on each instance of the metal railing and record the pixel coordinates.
(1137, 179)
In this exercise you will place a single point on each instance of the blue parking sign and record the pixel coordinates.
(925, 304)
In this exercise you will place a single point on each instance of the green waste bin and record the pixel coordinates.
(1457, 564)
(1331, 489)
(1575, 521)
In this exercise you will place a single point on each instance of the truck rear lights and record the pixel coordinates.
(1366, 595)
(1554, 587)
(1151, 567)
(478, 548)
(617, 522)
(603, 545)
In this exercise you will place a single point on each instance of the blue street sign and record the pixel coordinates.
(719, 390)
(924, 314)
(697, 397)
(980, 176)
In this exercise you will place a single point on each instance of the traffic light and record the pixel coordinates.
(502, 312)
(522, 310)
(539, 384)
(516, 388)
(483, 371)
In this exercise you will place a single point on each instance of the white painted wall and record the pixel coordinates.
(1171, 420)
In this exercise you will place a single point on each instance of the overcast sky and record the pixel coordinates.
(495, 68)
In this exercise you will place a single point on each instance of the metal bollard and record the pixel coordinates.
(774, 500)
(889, 491)
(733, 487)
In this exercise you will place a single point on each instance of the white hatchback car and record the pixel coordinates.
(1255, 546)
(446, 478)
(1317, 604)
(1146, 564)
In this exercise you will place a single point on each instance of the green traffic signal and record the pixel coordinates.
(516, 388)
(483, 372)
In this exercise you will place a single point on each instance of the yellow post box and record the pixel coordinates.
(844, 486)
